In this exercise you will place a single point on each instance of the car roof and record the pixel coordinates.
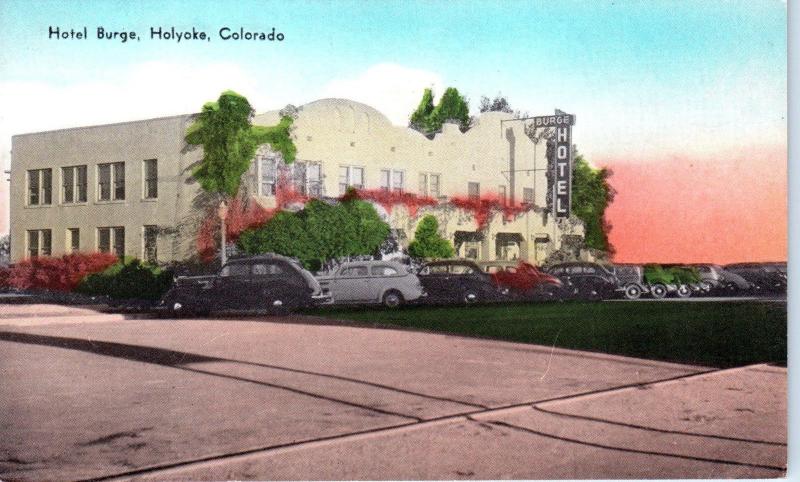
(451, 261)
(373, 262)
(260, 257)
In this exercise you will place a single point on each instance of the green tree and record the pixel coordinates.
(451, 107)
(591, 195)
(319, 232)
(419, 118)
(229, 140)
(428, 243)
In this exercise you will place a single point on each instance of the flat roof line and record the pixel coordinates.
(66, 129)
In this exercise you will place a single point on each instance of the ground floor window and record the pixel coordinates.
(73, 240)
(150, 244)
(39, 242)
(111, 240)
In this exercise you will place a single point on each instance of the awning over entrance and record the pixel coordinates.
(510, 238)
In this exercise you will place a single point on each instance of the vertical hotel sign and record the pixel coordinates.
(562, 177)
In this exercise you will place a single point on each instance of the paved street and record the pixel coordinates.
(87, 395)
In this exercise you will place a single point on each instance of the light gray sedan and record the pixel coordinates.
(360, 282)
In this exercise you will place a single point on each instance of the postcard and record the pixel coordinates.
(393, 240)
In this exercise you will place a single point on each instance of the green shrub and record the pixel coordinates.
(319, 232)
(128, 279)
(428, 243)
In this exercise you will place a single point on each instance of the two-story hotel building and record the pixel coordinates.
(127, 188)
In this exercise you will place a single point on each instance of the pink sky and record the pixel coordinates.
(712, 208)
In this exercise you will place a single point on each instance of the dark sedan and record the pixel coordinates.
(459, 281)
(584, 280)
(268, 282)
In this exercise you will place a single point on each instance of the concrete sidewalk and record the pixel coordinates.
(281, 399)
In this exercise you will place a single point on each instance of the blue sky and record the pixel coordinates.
(642, 77)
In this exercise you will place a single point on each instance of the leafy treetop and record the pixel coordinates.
(229, 140)
(319, 232)
(451, 107)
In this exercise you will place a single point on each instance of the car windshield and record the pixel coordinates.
(462, 269)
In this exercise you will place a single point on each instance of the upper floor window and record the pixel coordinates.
(40, 242)
(151, 178)
(350, 176)
(527, 195)
(40, 187)
(392, 180)
(501, 192)
(73, 184)
(474, 190)
(111, 181)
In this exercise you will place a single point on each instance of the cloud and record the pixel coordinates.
(393, 89)
(145, 90)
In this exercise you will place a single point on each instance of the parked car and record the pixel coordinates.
(765, 277)
(630, 280)
(717, 280)
(523, 280)
(584, 280)
(266, 282)
(384, 282)
(460, 281)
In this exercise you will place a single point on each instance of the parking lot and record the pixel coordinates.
(93, 396)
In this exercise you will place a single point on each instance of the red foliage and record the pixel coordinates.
(57, 273)
(241, 216)
(483, 208)
(389, 199)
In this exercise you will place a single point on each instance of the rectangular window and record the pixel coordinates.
(433, 187)
(269, 176)
(474, 190)
(314, 179)
(527, 195)
(119, 180)
(151, 179)
(423, 184)
(104, 240)
(104, 182)
(40, 187)
(111, 240)
(151, 244)
(118, 240)
(350, 176)
(67, 185)
(386, 179)
(299, 177)
(111, 181)
(501, 192)
(73, 184)
(391, 180)
(33, 188)
(397, 181)
(73, 240)
(39, 242)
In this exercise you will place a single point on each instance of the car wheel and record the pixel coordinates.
(633, 292)
(393, 299)
(470, 297)
(684, 291)
(658, 291)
